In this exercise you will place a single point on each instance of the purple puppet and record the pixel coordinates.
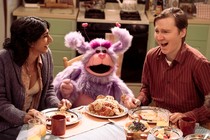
(95, 74)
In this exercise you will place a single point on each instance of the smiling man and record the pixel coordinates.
(175, 75)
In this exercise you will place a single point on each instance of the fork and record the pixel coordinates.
(115, 123)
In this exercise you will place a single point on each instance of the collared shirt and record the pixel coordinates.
(32, 95)
(180, 86)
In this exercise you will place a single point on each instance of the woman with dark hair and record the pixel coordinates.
(26, 73)
(175, 75)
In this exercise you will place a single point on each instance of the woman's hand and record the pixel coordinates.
(66, 88)
(32, 113)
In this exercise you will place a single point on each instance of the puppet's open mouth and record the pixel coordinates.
(100, 68)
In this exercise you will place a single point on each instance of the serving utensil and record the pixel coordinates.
(206, 136)
(115, 123)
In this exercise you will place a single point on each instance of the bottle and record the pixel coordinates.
(159, 7)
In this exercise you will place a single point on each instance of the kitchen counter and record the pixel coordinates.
(58, 13)
(193, 20)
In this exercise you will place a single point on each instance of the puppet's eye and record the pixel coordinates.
(98, 51)
(101, 50)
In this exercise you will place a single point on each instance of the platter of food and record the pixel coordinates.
(139, 129)
(147, 113)
(137, 126)
(106, 107)
(197, 137)
(72, 117)
(166, 133)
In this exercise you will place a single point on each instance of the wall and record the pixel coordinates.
(5, 23)
(2, 24)
(11, 5)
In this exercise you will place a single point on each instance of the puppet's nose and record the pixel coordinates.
(101, 55)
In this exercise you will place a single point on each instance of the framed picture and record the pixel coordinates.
(188, 7)
(191, 1)
(186, 1)
(174, 3)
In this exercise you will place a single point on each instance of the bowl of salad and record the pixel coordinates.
(137, 129)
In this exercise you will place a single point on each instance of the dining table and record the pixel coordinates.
(90, 127)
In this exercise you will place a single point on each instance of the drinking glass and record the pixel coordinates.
(34, 131)
(162, 117)
(37, 124)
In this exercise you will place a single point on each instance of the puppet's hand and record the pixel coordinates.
(66, 88)
(74, 40)
(121, 33)
(124, 39)
(130, 102)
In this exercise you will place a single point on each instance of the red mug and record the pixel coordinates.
(187, 125)
(58, 125)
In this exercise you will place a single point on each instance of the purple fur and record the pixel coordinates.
(76, 41)
(87, 83)
(104, 43)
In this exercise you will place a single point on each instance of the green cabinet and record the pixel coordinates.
(197, 37)
(59, 28)
(151, 40)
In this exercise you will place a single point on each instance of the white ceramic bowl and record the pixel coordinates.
(137, 134)
(166, 132)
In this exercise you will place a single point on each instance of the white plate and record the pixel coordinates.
(196, 137)
(148, 113)
(74, 115)
(107, 117)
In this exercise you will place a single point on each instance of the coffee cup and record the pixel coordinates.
(58, 125)
(187, 125)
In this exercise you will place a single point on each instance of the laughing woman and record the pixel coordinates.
(26, 75)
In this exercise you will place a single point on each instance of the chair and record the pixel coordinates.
(67, 62)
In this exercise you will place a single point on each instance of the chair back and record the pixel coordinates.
(67, 62)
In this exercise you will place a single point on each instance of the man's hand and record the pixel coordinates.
(130, 102)
(174, 117)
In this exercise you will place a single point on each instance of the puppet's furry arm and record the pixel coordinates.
(124, 38)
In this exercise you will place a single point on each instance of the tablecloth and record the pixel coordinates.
(91, 128)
